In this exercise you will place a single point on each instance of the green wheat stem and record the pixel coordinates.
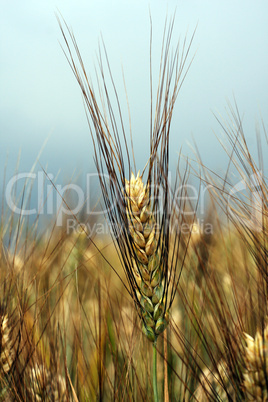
(155, 372)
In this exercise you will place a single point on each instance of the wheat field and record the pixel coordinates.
(167, 306)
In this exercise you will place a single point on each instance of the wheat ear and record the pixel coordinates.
(45, 386)
(146, 257)
(256, 360)
(7, 352)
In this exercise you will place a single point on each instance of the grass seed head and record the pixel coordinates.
(44, 386)
(7, 352)
(256, 361)
(146, 259)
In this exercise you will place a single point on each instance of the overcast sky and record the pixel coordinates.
(40, 99)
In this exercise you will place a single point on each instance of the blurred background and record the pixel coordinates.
(41, 106)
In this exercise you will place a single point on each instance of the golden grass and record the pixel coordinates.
(69, 328)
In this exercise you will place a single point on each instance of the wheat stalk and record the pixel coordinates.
(142, 232)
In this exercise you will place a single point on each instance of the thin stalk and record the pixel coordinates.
(166, 396)
(155, 372)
